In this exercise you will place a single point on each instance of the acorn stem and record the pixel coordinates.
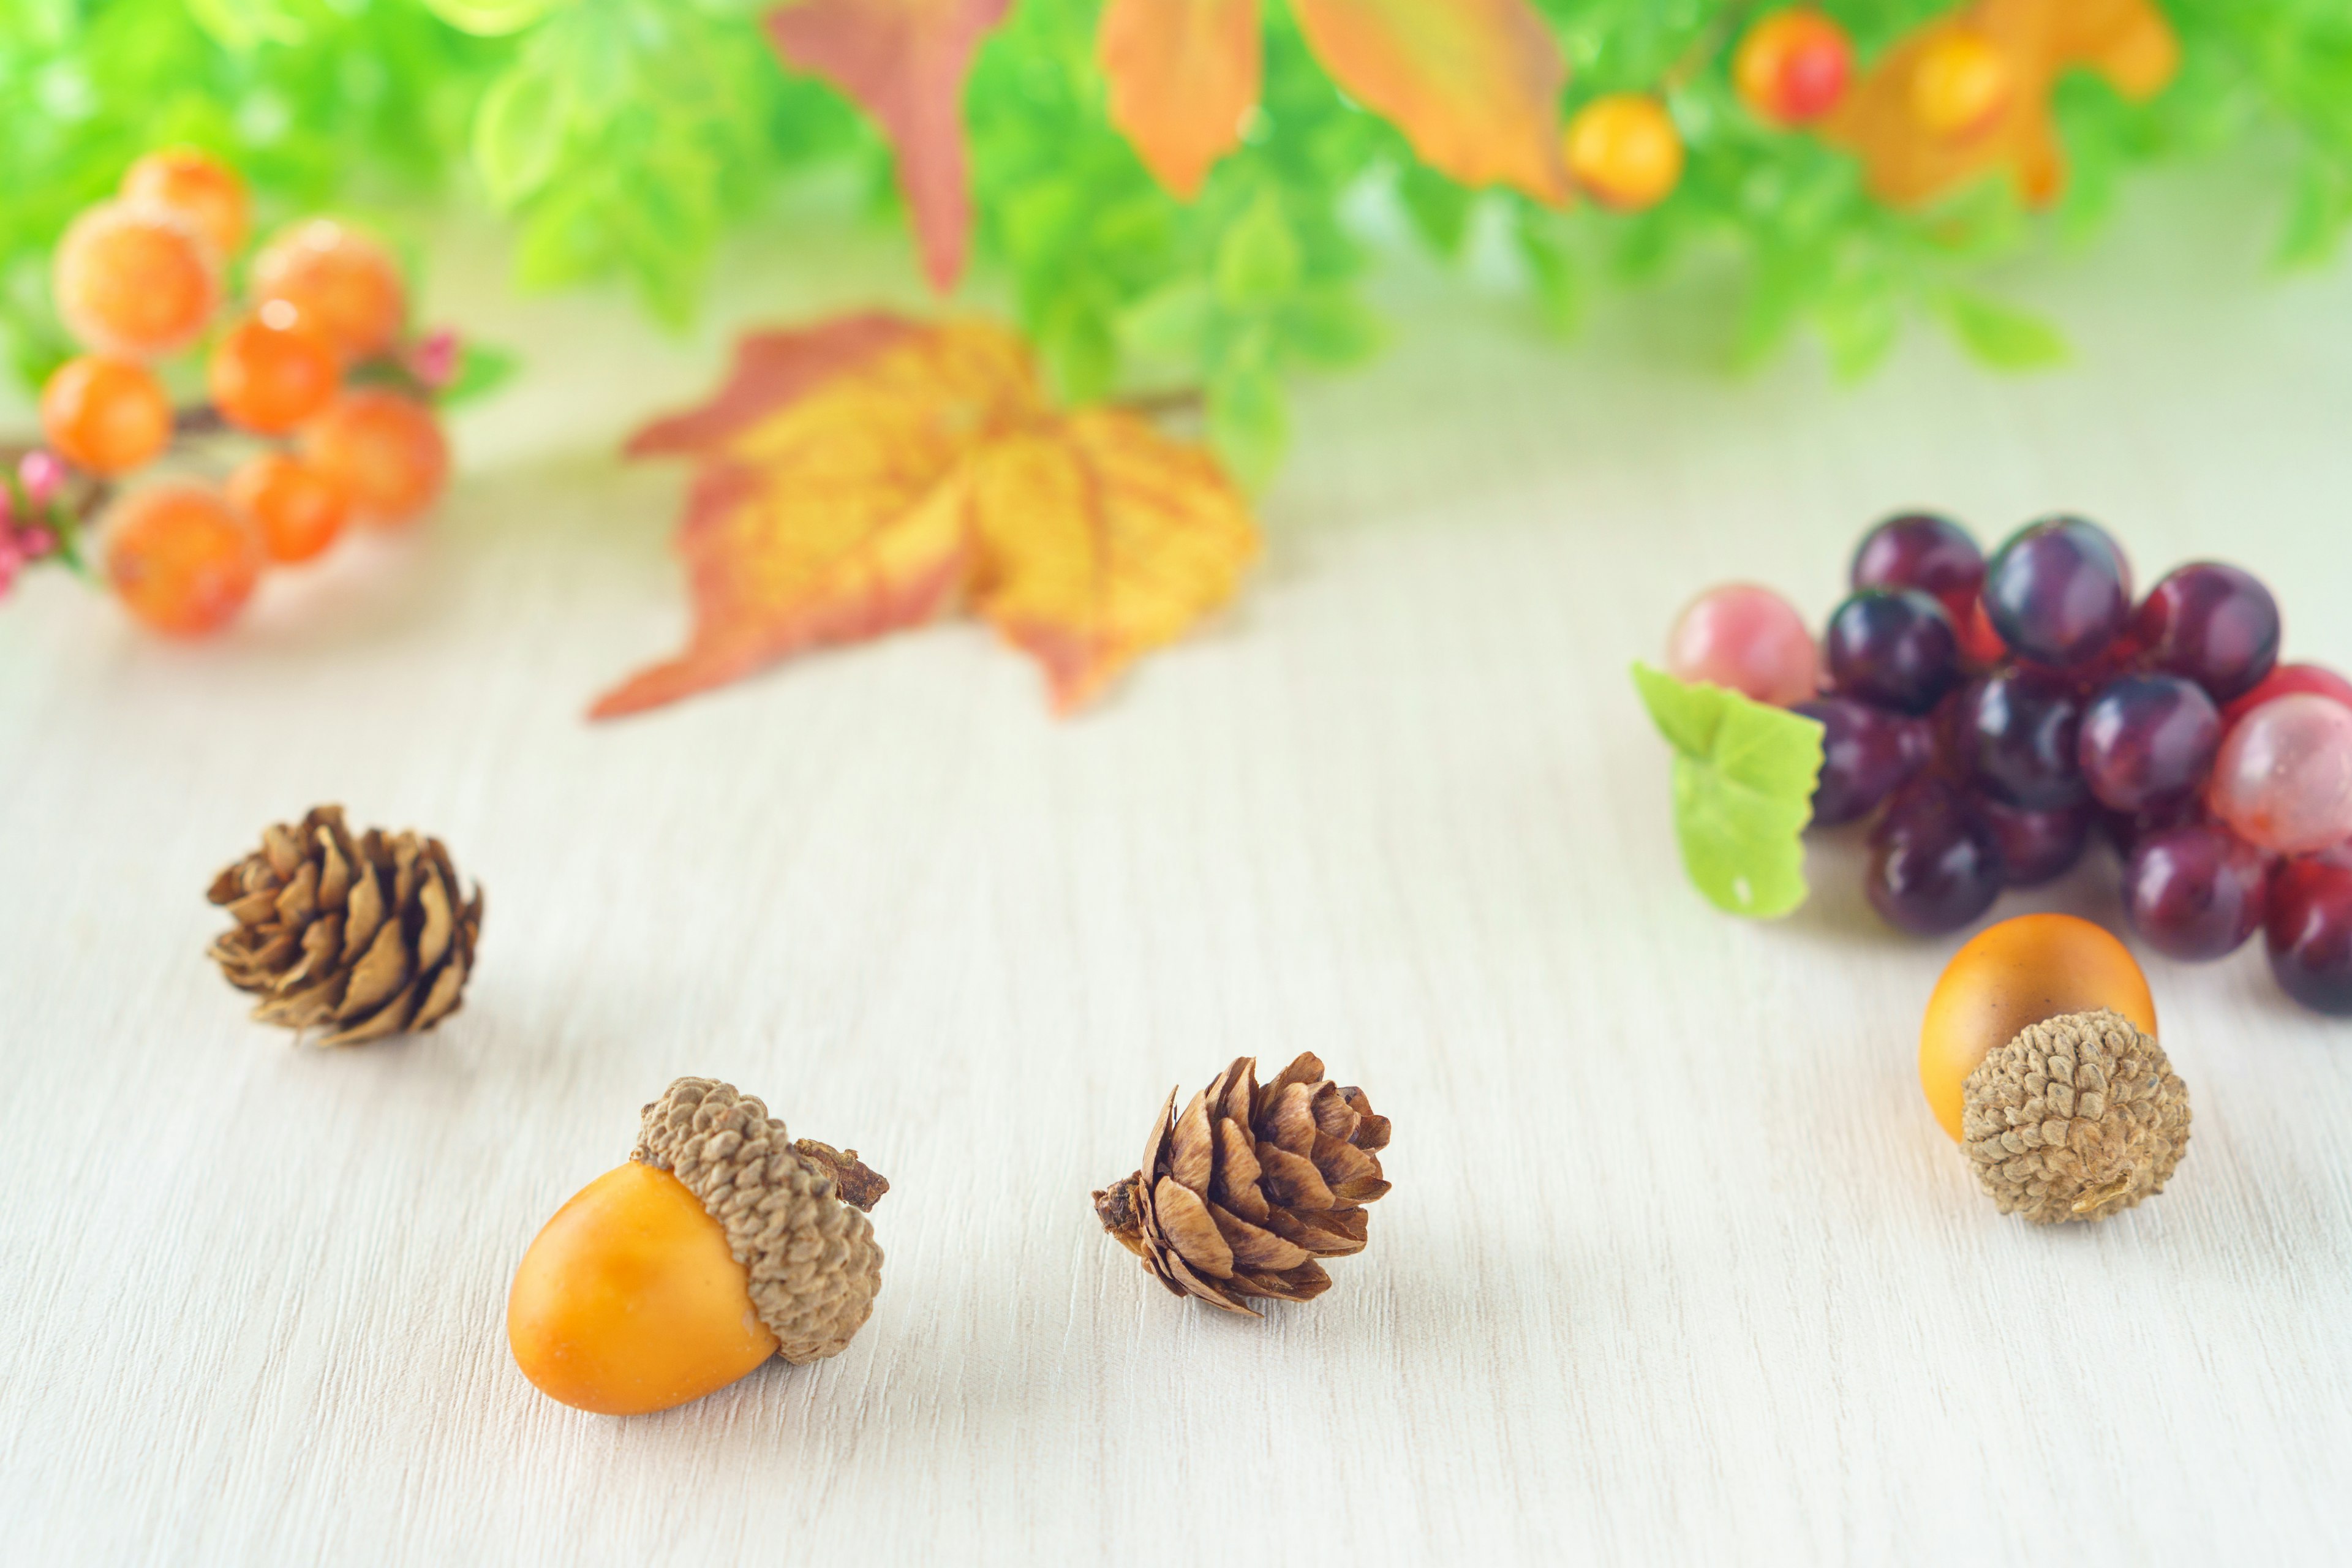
(858, 1183)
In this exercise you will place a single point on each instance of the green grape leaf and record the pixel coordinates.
(1743, 777)
(518, 131)
(1257, 261)
(2002, 336)
(481, 370)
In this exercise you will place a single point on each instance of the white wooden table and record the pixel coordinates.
(1678, 1267)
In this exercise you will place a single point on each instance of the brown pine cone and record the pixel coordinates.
(1241, 1194)
(362, 937)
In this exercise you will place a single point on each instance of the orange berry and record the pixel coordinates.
(268, 372)
(630, 1299)
(1792, 66)
(134, 280)
(107, 415)
(338, 281)
(182, 558)
(2011, 976)
(1624, 149)
(298, 511)
(199, 188)
(1960, 82)
(384, 451)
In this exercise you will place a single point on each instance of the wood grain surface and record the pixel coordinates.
(1678, 1267)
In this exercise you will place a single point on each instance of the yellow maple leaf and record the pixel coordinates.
(2026, 45)
(871, 473)
(1100, 540)
(1474, 84)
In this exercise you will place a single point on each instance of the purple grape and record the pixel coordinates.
(2124, 830)
(2037, 846)
(2309, 930)
(2147, 739)
(1866, 753)
(2196, 893)
(1920, 550)
(2058, 592)
(2213, 624)
(2017, 732)
(1935, 864)
(1893, 649)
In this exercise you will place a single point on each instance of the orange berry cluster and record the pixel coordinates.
(1790, 70)
(299, 364)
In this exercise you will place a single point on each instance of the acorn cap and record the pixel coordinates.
(2077, 1118)
(786, 1208)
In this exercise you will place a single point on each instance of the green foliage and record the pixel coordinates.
(1744, 778)
(625, 138)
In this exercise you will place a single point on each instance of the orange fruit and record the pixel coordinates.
(298, 511)
(134, 280)
(629, 1299)
(199, 188)
(336, 280)
(106, 415)
(1625, 150)
(384, 451)
(270, 372)
(181, 559)
(2011, 976)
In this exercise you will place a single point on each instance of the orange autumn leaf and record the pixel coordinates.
(1100, 540)
(1182, 74)
(827, 507)
(1474, 84)
(872, 473)
(904, 61)
(2015, 52)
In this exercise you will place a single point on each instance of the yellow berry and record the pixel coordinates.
(1625, 150)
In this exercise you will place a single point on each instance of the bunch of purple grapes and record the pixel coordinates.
(1991, 720)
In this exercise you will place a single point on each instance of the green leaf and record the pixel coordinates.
(491, 18)
(1257, 261)
(1438, 208)
(1558, 280)
(2317, 218)
(1328, 330)
(2002, 335)
(1743, 777)
(1172, 324)
(518, 131)
(481, 370)
(1249, 423)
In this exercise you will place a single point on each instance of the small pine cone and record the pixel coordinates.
(786, 1206)
(363, 937)
(2077, 1118)
(1245, 1191)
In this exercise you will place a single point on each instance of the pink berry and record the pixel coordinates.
(1746, 638)
(42, 475)
(2284, 778)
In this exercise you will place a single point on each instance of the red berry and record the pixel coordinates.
(1792, 66)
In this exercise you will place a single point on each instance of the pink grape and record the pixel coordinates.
(2285, 679)
(2284, 778)
(1746, 638)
